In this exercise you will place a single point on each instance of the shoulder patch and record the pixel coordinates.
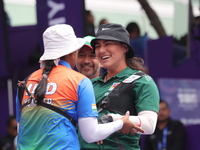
(94, 107)
(131, 78)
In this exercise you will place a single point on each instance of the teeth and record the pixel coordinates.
(87, 66)
(105, 57)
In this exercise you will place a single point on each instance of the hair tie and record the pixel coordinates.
(44, 76)
(43, 63)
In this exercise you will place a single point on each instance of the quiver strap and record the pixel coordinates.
(22, 87)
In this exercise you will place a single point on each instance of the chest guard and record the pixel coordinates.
(121, 99)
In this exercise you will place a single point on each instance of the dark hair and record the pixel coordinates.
(133, 27)
(41, 88)
(9, 120)
(102, 21)
(163, 101)
(136, 63)
(87, 12)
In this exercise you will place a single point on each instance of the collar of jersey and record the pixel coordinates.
(124, 73)
(64, 63)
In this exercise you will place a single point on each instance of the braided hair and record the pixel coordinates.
(41, 88)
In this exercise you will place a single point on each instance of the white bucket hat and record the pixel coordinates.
(60, 40)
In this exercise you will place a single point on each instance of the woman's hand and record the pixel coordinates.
(99, 142)
(128, 126)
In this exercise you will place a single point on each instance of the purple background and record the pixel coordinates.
(26, 41)
(183, 97)
(25, 44)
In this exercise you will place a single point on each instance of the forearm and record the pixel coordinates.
(91, 131)
(146, 120)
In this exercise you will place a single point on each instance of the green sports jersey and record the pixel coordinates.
(146, 97)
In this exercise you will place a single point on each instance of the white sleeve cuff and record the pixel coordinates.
(91, 131)
(146, 120)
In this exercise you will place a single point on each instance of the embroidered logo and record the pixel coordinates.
(105, 28)
(113, 86)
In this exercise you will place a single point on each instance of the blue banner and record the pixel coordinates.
(183, 97)
(51, 12)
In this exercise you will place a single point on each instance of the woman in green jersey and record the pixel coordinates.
(115, 54)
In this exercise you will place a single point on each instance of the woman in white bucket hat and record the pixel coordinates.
(57, 85)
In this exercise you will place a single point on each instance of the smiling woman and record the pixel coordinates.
(114, 88)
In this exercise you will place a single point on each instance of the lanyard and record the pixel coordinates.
(163, 145)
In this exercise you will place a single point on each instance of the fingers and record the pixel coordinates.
(127, 115)
(138, 129)
(99, 142)
(135, 127)
(129, 127)
(132, 132)
(123, 131)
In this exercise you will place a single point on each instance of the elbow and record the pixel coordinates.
(151, 128)
(151, 131)
(150, 123)
(88, 140)
(148, 132)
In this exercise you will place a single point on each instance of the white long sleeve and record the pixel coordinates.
(91, 131)
(146, 120)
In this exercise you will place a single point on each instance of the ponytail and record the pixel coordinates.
(41, 88)
(137, 63)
